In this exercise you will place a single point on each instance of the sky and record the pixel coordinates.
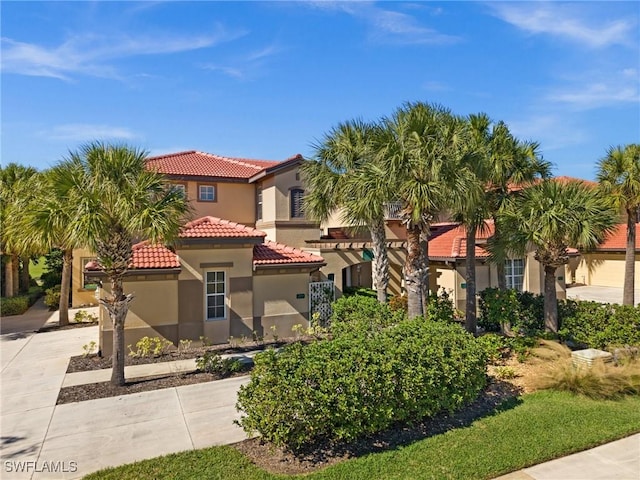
(267, 80)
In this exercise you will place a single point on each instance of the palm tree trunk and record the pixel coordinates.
(412, 273)
(25, 278)
(8, 276)
(67, 258)
(550, 299)
(380, 261)
(630, 260)
(117, 307)
(470, 279)
(502, 279)
(424, 261)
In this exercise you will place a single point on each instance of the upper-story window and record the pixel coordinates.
(259, 203)
(181, 187)
(207, 193)
(296, 195)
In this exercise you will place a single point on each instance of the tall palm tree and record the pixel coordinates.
(118, 201)
(619, 177)
(14, 191)
(420, 153)
(513, 164)
(345, 177)
(552, 216)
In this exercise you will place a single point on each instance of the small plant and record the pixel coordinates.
(233, 343)
(297, 330)
(505, 372)
(184, 345)
(52, 297)
(90, 348)
(82, 316)
(243, 339)
(147, 347)
(205, 341)
(212, 362)
(274, 333)
(257, 338)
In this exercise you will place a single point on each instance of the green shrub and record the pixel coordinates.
(212, 362)
(597, 325)
(150, 346)
(440, 307)
(82, 316)
(354, 385)
(50, 279)
(358, 314)
(52, 297)
(14, 305)
(521, 312)
(398, 302)
(495, 346)
(361, 291)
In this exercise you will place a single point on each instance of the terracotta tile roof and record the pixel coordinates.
(515, 187)
(448, 240)
(201, 164)
(146, 256)
(617, 241)
(270, 253)
(214, 227)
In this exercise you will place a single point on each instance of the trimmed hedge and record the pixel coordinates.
(20, 304)
(361, 315)
(354, 385)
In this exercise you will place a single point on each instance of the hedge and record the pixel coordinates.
(354, 385)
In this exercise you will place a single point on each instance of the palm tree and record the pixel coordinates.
(619, 177)
(553, 216)
(14, 191)
(118, 200)
(420, 153)
(345, 177)
(513, 164)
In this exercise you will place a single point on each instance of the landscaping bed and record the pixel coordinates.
(70, 326)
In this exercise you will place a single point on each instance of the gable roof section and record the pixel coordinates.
(146, 256)
(278, 167)
(199, 164)
(272, 253)
(214, 227)
(448, 241)
(617, 241)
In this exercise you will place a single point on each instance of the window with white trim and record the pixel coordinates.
(181, 187)
(296, 197)
(514, 273)
(207, 193)
(259, 203)
(215, 295)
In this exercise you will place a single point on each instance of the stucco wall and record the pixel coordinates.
(234, 201)
(80, 296)
(602, 269)
(275, 301)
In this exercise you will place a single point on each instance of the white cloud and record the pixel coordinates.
(80, 132)
(567, 21)
(435, 86)
(598, 90)
(245, 67)
(552, 130)
(89, 54)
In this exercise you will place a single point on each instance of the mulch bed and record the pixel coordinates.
(71, 326)
(91, 391)
(498, 395)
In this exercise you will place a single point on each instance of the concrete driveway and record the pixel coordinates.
(74, 439)
(598, 294)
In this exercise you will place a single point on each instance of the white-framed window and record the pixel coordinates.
(514, 273)
(215, 293)
(259, 202)
(207, 193)
(181, 187)
(296, 196)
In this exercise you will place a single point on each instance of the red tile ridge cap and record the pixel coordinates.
(221, 221)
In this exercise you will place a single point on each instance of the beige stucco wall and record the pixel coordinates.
(153, 312)
(275, 301)
(234, 201)
(605, 269)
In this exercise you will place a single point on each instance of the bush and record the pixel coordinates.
(361, 291)
(50, 279)
(521, 312)
(440, 307)
(150, 346)
(597, 325)
(212, 362)
(354, 385)
(14, 305)
(52, 297)
(359, 314)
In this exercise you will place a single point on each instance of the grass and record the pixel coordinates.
(533, 429)
(37, 269)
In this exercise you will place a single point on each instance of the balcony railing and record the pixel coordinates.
(392, 210)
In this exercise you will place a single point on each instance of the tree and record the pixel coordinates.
(553, 216)
(15, 190)
(118, 200)
(619, 177)
(344, 176)
(420, 155)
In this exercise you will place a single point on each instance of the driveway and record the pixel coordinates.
(598, 294)
(43, 440)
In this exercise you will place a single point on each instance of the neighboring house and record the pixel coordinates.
(223, 280)
(604, 266)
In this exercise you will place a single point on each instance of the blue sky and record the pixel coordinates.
(268, 79)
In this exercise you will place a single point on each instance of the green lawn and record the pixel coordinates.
(534, 429)
(36, 269)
